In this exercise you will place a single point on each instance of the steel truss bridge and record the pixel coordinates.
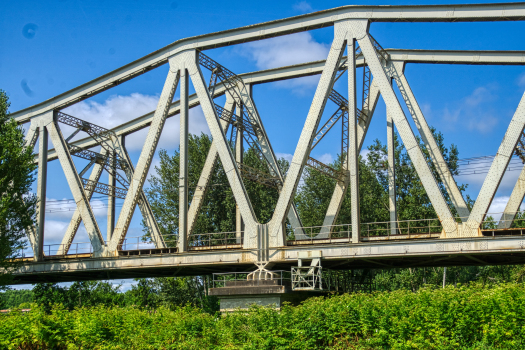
(448, 240)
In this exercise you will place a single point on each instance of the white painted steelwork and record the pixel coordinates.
(264, 243)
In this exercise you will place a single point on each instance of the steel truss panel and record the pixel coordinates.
(307, 135)
(360, 30)
(144, 163)
(314, 68)
(451, 186)
(77, 189)
(496, 172)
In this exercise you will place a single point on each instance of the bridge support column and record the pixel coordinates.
(239, 150)
(353, 150)
(182, 243)
(112, 181)
(392, 203)
(41, 184)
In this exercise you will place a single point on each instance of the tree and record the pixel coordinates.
(218, 208)
(17, 205)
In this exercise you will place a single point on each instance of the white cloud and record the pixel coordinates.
(284, 51)
(474, 112)
(326, 158)
(302, 6)
(54, 231)
(521, 80)
(286, 156)
(120, 109)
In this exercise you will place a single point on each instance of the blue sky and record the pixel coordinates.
(48, 47)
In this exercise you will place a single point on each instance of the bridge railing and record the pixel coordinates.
(403, 229)
(243, 279)
(219, 239)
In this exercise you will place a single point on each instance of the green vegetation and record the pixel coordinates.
(17, 206)
(451, 318)
(169, 292)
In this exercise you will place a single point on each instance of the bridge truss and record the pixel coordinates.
(458, 228)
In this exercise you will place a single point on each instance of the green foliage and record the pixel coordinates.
(412, 199)
(82, 293)
(13, 298)
(17, 206)
(218, 208)
(450, 318)
(170, 293)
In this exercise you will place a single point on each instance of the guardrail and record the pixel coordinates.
(242, 279)
(220, 239)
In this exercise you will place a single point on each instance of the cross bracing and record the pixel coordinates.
(382, 68)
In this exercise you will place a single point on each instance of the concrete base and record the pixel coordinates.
(240, 295)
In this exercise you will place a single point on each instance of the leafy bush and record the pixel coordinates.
(474, 317)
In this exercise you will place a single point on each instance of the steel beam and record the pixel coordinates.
(352, 156)
(32, 135)
(112, 182)
(38, 247)
(391, 157)
(77, 189)
(239, 151)
(144, 163)
(267, 150)
(397, 69)
(514, 203)
(496, 172)
(360, 30)
(182, 243)
(30, 141)
(302, 151)
(316, 67)
(144, 206)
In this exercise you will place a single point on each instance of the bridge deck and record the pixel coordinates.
(495, 247)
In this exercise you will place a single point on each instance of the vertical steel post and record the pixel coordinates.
(239, 150)
(183, 162)
(353, 152)
(112, 181)
(391, 170)
(41, 192)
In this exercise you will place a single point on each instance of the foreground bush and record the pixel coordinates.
(451, 318)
